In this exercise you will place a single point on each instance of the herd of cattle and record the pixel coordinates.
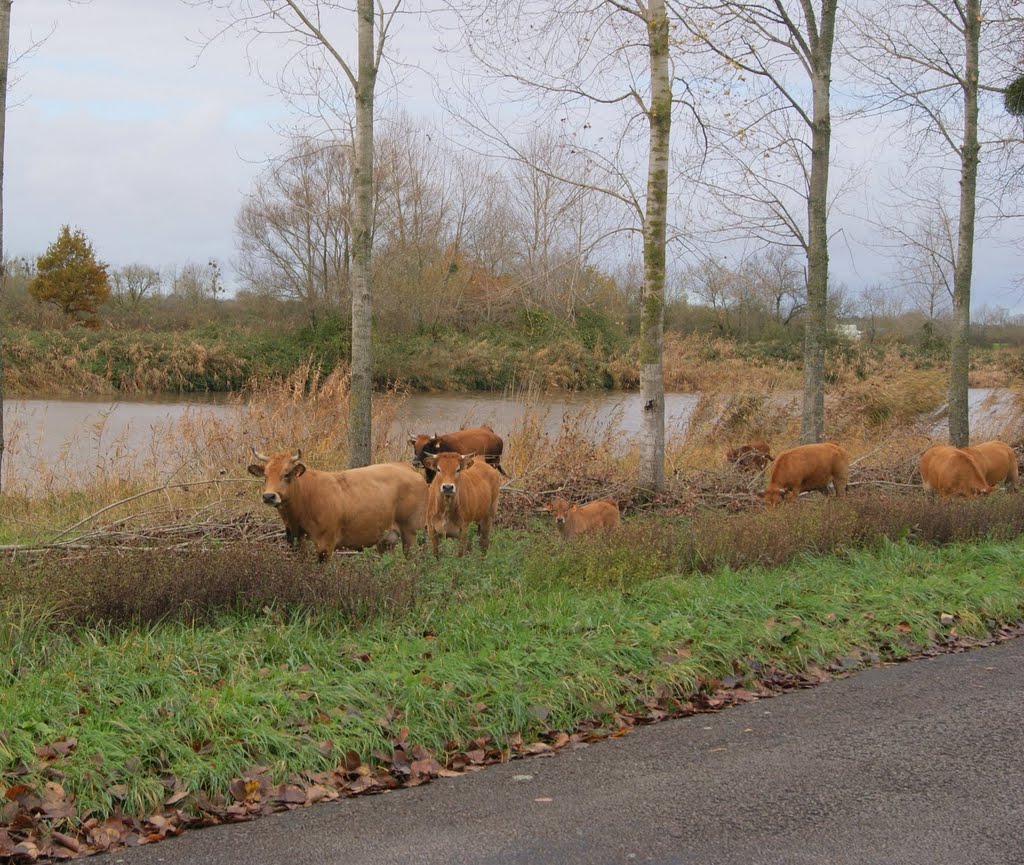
(454, 480)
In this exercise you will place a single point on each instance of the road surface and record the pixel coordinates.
(914, 764)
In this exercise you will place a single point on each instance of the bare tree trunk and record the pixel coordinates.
(5, 42)
(360, 397)
(959, 347)
(812, 427)
(652, 310)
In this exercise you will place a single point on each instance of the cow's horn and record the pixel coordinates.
(259, 457)
(297, 455)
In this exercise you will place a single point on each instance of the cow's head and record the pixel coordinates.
(982, 489)
(559, 509)
(278, 472)
(422, 447)
(448, 466)
(773, 495)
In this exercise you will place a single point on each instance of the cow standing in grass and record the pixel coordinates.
(572, 520)
(464, 491)
(951, 471)
(480, 440)
(351, 509)
(808, 467)
(997, 461)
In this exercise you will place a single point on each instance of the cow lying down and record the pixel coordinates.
(573, 520)
(351, 509)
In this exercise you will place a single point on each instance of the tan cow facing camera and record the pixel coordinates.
(464, 490)
(351, 509)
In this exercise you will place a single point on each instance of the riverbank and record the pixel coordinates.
(539, 353)
(391, 672)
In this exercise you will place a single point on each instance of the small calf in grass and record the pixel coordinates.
(572, 520)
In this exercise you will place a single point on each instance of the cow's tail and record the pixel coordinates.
(495, 460)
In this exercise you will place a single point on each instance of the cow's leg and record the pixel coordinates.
(434, 539)
(839, 480)
(463, 538)
(484, 528)
(1012, 477)
(408, 538)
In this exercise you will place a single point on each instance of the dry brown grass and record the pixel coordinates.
(195, 465)
(193, 469)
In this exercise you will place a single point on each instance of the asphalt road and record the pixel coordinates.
(917, 763)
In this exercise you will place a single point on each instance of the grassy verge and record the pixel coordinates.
(535, 350)
(381, 656)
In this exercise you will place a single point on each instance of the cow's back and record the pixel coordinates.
(378, 498)
(997, 461)
(951, 471)
(602, 514)
(809, 467)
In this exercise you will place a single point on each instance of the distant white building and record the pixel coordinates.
(848, 331)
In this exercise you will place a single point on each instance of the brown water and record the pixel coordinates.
(82, 436)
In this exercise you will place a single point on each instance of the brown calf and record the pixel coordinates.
(481, 440)
(464, 491)
(352, 509)
(755, 455)
(997, 461)
(808, 467)
(572, 520)
(951, 471)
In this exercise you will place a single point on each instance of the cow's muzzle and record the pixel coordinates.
(560, 520)
(272, 499)
(448, 489)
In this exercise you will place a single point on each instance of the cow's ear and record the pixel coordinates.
(412, 440)
(429, 461)
(761, 493)
(298, 471)
(466, 461)
(547, 507)
(257, 470)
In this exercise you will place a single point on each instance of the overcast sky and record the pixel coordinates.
(116, 126)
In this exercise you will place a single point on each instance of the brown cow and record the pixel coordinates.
(480, 440)
(755, 455)
(352, 509)
(464, 491)
(951, 471)
(572, 520)
(997, 461)
(808, 467)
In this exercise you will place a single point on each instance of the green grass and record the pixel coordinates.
(216, 356)
(479, 647)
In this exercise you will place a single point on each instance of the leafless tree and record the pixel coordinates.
(294, 228)
(133, 283)
(586, 62)
(878, 303)
(770, 155)
(341, 91)
(945, 65)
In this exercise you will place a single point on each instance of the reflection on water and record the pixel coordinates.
(81, 436)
